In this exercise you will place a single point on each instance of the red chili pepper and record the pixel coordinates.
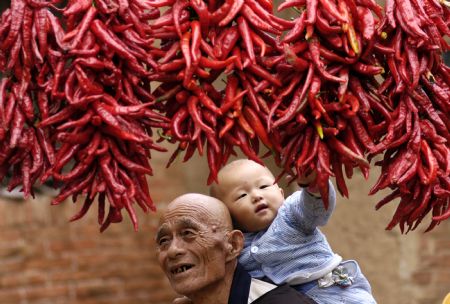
(101, 32)
(216, 64)
(315, 55)
(196, 115)
(5, 21)
(311, 11)
(234, 10)
(245, 34)
(218, 14)
(297, 102)
(17, 126)
(290, 3)
(251, 94)
(82, 28)
(312, 153)
(17, 15)
(332, 9)
(407, 13)
(14, 55)
(257, 22)
(367, 21)
(244, 145)
(264, 14)
(213, 164)
(204, 99)
(229, 123)
(203, 14)
(297, 62)
(345, 151)
(258, 127)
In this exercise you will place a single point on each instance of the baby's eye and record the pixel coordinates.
(264, 186)
(241, 196)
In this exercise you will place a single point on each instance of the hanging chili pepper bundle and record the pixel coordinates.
(92, 92)
(203, 46)
(416, 149)
(327, 118)
(25, 150)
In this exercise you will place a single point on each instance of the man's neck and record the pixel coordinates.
(218, 293)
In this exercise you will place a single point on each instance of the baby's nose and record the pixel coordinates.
(256, 197)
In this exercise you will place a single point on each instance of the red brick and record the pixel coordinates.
(10, 266)
(12, 280)
(10, 296)
(96, 289)
(443, 245)
(48, 264)
(440, 260)
(422, 278)
(55, 291)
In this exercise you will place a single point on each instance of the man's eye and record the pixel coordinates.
(163, 241)
(187, 233)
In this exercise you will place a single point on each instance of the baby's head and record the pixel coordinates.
(250, 193)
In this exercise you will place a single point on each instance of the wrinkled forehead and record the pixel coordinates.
(188, 215)
(171, 224)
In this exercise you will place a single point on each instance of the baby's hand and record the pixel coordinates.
(306, 180)
(183, 300)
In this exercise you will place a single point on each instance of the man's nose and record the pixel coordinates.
(176, 248)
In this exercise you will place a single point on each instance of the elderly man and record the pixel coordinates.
(198, 249)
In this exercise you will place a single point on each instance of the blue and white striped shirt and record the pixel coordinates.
(292, 250)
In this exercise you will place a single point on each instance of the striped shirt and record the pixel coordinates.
(292, 250)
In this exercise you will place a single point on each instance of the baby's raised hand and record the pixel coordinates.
(307, 181)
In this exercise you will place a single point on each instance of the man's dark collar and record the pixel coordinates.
(240, 287)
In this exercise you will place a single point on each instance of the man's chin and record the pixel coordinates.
(185, 288)
(184, 283)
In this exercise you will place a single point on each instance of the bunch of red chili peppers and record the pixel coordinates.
(339, 84)
(75, 101)
(416, 161)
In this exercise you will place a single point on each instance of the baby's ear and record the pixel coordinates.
(235, 243)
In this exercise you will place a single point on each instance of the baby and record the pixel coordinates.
(282, 241)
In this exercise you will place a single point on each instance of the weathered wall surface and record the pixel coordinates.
(45, 259)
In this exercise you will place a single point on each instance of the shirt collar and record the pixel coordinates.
(240, 287)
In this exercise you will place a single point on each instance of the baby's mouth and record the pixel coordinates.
(261, 207)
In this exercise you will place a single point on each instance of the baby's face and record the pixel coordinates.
(250, 194)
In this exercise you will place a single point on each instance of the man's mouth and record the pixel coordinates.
(181, 269)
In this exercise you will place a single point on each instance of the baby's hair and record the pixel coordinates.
(214, 190)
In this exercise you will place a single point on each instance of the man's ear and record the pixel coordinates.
(235, 243)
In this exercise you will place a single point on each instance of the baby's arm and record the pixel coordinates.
(306, 211)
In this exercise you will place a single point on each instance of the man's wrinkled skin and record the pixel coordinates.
(197, 248)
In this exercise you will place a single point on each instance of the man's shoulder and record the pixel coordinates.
(283, 294)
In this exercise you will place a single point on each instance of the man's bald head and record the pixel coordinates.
(205, 208)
